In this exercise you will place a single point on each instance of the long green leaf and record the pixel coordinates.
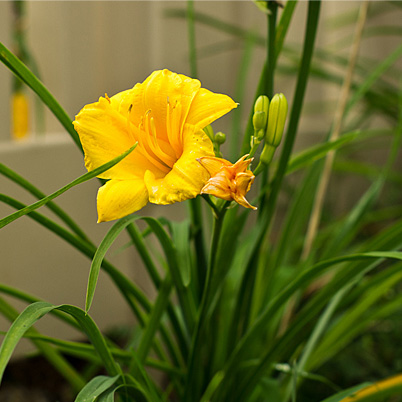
(16, 178)
(296, 334)
(53, 356)
(310, 35)
(181, 239)
(26, 297)
(87, 176)
(36, 311)
(143, 378)
(373, 77)
(354, 319)
(316, 152)
(129, 291)
(154, 320)
(304, 278)
(138, 240)
(345, 393)
(136, 392)
(218, 377)
(186, 299)
(107, 241)
(95, 387)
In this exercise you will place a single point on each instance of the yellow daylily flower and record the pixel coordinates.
(165, 114)
(228, 181)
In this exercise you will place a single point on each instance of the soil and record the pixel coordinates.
(34, 380)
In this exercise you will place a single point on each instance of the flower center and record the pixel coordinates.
(162, 153)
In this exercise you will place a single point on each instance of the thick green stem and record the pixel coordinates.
(196, 220)
(269, 80)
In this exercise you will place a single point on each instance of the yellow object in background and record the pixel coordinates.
(20, 115)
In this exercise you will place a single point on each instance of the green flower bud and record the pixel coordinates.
(278, 110)
(267, 154)
(209, 132)
(259, 121)
(220, 138)
(260, 116)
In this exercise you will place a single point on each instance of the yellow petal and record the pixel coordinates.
(213, 164)
(244, 181)
(105, 134)
(155, 92)
(242, 164)
(118, 198)
(187, 176)
(240, 199)
(218, 186)
(207, 107)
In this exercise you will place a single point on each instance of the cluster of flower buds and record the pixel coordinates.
(269, 122)
(278, 110)
(260, 118)
(217, 139)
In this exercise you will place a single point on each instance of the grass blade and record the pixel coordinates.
(95, 387)
(301, 280)
(316, 152)
(16, 178)
(36, 311)
(340, 396)
(186, 300)
(87, 176)
(154, 320)
(53, 356)
(107, 241)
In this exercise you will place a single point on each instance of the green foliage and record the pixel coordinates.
(265, 312)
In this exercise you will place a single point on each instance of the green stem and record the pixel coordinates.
(194, 383)
(191, 38)
(281, 31)
(269, 80)
(271, 53)
(197, 224)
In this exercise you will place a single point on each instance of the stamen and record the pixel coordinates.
(173, 129)
(145, 151)
(152, 142)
